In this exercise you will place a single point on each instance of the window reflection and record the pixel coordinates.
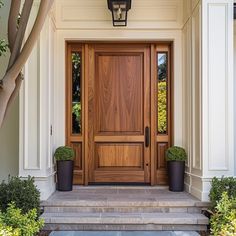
(76, 92)
(162, 71)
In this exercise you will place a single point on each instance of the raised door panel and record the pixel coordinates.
(161, 163)
(78, 163)
(119, 93)
(117, 156)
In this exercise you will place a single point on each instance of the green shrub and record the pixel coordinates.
(20, 191)
(223, 220)
(176, 154)
(162, 107)
(15, 223)
(8, 231)
(64, 153)
(218, 186)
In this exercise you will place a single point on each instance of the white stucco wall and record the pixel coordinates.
(9, 133)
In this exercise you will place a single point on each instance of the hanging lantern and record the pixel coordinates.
(119, 9)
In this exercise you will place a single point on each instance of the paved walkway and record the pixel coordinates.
(124, 233)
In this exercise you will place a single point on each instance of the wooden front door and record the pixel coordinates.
(118, 113)
(118, 117)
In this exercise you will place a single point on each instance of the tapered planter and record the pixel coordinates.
(176, 175)
(65, 175)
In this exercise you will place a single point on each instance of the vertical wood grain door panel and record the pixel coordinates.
(119, 93)
(118, 112)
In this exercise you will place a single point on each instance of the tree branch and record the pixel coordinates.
(13, 72)
(21, 31)
(9, 80)
(12, 22)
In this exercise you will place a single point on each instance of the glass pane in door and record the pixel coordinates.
(162, 92)
(76, 92)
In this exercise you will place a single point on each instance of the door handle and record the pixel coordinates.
(147, 136)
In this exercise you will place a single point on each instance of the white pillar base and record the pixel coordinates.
(46, 186)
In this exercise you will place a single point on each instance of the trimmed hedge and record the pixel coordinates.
(22, 192)
(219, 186)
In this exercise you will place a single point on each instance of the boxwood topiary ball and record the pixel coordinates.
(64, 153)
(176, 153)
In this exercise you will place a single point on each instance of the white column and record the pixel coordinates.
(36, 99)
(217, 138)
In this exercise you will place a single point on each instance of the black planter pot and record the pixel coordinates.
(176, 175)
(65, 175)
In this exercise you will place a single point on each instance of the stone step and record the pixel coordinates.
(123, 203)
(125, 221)
(124, 233)
(119, 209)
(125, 206)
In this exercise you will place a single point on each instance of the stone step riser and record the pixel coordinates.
(67, 209)
(110, 227)
(142, 219)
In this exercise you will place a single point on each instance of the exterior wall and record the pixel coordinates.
(208, 47)
(9, 133)
(203, 81)
(196, 102)
(94, 14)
(83, 20)
(192, 95)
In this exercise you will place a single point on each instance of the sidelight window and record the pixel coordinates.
(76, 92)
(162, 92)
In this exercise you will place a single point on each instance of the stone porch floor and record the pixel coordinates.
(120, 194)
